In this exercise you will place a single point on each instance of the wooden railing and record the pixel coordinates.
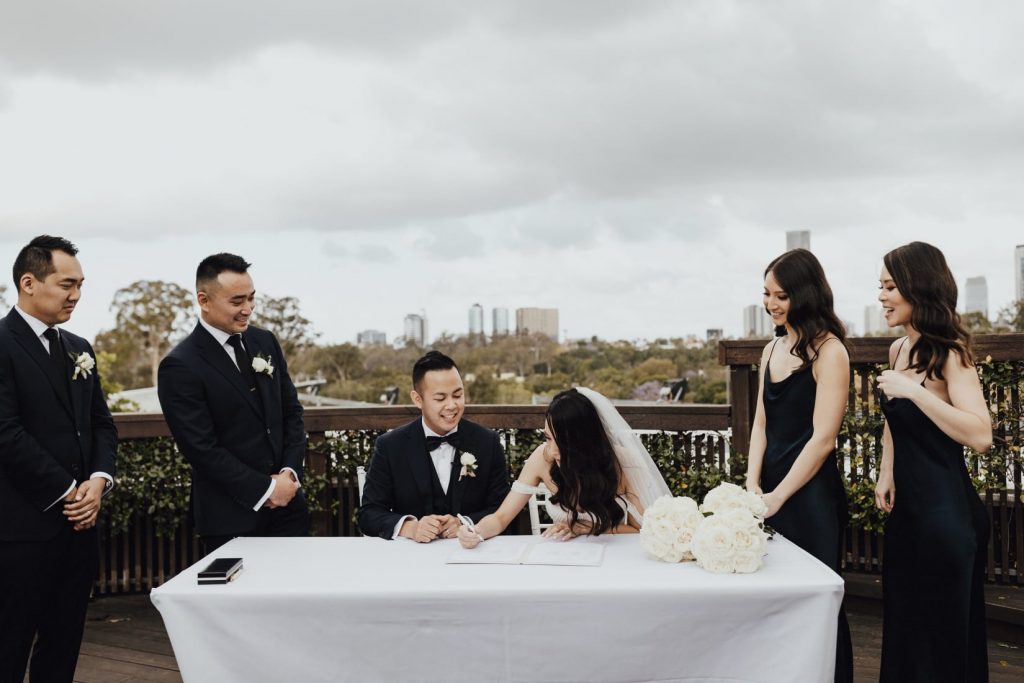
(701, 438)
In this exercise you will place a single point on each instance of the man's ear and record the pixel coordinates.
(203, 299)
(26, 283)
(416, 398)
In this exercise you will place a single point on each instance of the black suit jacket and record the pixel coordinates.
(398, 480)
(233, 438)
(52, 430)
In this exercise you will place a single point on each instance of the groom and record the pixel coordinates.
(425, 473)
(235, 415)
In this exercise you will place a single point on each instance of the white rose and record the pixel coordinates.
(260, 365)
(467, 460)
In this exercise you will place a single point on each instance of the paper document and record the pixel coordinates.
(574, 553)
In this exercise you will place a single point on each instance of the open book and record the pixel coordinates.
(575, 553)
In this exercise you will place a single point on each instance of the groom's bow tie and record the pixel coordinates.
(434, 442)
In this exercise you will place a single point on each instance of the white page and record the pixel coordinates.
(568, 553)
(489, 553)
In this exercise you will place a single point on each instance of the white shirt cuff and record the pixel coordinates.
(110, 481)
(74, 483)
(398, 527)
(294, 474)
(270, 489)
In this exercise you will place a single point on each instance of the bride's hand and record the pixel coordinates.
(467, 538)
(773, 502)
(559, 531)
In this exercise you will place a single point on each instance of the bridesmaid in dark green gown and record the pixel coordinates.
(935, 537)
(805, 379)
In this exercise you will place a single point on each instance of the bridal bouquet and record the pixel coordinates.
(727, 496)
(668, 528)
(732, 538)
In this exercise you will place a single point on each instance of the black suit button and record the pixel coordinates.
(78, 433)
(268, 431)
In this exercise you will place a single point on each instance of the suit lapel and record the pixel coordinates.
(264, 384)
(212, 353)
(457, 484)
(420, 464)
(34, 348)
(77, 386)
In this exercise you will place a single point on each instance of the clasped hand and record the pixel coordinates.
(82, 505)
(430, 527)
(284, 490)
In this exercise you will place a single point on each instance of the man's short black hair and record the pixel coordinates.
(36, 257)
(432, 360)
(212, 266)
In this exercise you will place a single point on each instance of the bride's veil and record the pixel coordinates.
(643, 479)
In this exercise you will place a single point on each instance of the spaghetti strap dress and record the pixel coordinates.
(933, 626)
(814, 517)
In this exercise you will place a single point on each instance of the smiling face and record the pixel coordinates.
(441, 398)
(53, 299)
(897, 309)
(776, 300)
(227, 302)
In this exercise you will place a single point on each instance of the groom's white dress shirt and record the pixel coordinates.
(39, 328)
(443, 456)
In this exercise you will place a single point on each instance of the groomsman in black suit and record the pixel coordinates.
(58, 449)
(235, 414)
(424, 473)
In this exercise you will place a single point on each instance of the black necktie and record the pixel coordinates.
(56, 349)
(242, 358)
(434, 442)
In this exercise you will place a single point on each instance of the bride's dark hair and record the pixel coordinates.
(588, 473)
(811, 309)
(920, 272)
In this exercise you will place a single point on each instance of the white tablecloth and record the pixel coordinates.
(365, 609)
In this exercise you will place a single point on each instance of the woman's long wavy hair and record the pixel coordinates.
(811, 308)
(920, 272)
(588, 474)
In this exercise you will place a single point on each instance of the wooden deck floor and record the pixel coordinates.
(125, 641)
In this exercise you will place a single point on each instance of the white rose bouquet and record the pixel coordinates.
(728, 496)
(730, 541)
(668, 528)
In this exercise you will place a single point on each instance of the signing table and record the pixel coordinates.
(365, 609)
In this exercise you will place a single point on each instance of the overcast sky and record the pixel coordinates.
(634, 164)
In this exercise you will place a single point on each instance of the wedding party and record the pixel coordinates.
(746, 404)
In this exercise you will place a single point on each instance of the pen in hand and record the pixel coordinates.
(469, 524)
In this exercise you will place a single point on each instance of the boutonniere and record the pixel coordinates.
(261, 365)
(84, 364)
(468, 462)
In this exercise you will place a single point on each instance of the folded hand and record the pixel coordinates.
(82, 506)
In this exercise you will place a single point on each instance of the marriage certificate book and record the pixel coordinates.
(576, 553)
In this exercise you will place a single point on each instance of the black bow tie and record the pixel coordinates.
(434, 442)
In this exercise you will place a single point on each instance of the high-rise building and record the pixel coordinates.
(369, 337)
(798, 239)
(476, 320)
(976, 296)
(874, 321)
(537, 321)
(499, 322)
(715, 334)
(416, 329)
(756, 322)
(1018, 270)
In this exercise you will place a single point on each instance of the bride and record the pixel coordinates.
(599, 474)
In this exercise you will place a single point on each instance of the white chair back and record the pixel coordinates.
(361, 480)
(536, 500)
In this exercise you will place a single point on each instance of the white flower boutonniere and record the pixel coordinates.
(261, 365)
(84, 364)
(468, 462)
